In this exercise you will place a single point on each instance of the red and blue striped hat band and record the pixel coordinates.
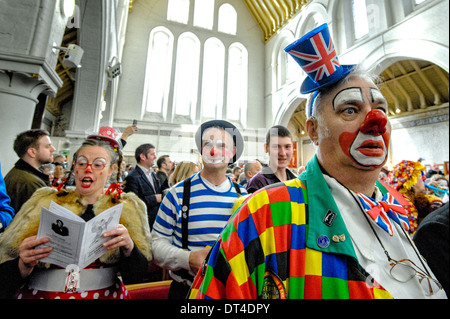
(315, 54)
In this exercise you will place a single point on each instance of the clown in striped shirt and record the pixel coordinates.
(211, 198)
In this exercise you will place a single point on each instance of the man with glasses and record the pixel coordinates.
(34, 148)
(143, 181)
(334, 232)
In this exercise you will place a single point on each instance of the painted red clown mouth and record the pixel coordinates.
(372, 148)
(86, 182)
(364, 149)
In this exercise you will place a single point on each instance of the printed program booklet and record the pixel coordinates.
(75, 241)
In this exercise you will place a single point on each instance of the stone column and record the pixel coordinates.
(28, 31)
(18, 96)
(91, 78)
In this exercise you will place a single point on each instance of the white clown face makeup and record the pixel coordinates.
(368, 150)
(348, 96)
(368, 145)
(217, 147)
(212, 151)
(377, 96)
(353, 130)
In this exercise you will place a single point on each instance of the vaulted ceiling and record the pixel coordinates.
(271, 15)
(414, 85)
(410, 86)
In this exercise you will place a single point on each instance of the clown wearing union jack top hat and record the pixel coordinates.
(335, 232)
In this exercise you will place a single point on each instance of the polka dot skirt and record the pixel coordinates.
(116, 291)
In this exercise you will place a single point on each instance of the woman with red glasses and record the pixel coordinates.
(128, 246)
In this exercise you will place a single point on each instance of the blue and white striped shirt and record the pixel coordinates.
(209, 212)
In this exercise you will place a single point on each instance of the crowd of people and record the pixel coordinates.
(344, 226)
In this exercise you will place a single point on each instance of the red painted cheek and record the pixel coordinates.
(346, 140)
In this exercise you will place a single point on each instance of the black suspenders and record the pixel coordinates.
(185, 213)
(185, 210)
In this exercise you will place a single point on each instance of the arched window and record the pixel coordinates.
(204, 14)
(178, 11)
(186, 78)
(292, 68)
(177, 88)
(237, 83)
(227, 19)
(287, 69)
(159, 66)
(360, 21)
(213, 74)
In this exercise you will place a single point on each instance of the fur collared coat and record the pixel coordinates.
(26, 222)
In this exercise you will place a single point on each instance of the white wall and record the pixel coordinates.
(423, 135)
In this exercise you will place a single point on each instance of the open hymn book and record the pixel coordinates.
(75, 241)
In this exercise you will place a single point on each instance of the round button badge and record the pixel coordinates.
(323, 241)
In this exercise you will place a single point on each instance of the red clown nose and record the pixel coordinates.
(375, 123)
(213, 152)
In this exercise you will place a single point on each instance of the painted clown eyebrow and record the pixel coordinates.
(377, 96)
(348, 95)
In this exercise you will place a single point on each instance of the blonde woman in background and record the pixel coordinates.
(182, 171)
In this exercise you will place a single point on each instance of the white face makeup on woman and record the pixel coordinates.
(92, 169)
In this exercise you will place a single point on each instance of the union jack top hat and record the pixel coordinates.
(315, 54)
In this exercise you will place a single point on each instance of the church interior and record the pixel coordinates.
(71, 67)
(173, 64)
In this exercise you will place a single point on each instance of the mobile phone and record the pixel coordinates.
(134, 122)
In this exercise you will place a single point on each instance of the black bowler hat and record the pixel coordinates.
(238, 140)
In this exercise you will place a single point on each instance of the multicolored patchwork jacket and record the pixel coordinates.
(288, 240)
